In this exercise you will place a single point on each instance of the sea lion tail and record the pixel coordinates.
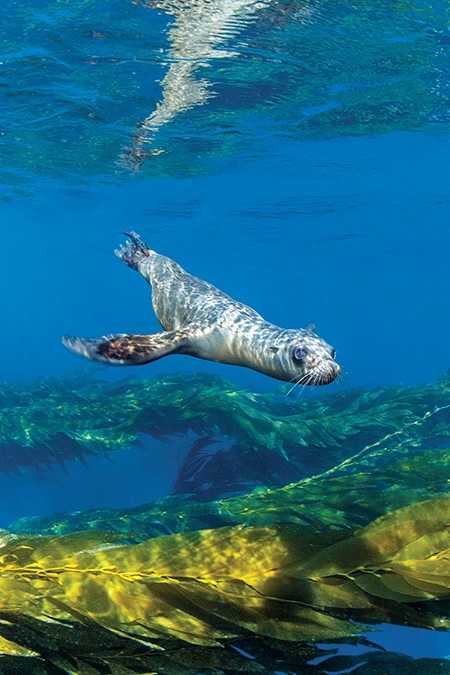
(128, 350)
(133, 251)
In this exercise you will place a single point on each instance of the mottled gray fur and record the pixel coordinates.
(202, 321)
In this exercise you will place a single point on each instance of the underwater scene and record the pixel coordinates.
(225, 364)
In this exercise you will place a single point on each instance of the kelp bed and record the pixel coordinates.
(254, 583)
(51, 422)
(90, 602)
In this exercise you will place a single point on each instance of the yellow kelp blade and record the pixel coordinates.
(196, 587)
(285, 582)
(417, 529)
(8, 648)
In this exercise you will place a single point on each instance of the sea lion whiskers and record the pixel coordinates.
(295, 383)
(322, 375)
(303, 380)
(316, 376)
(343, 381)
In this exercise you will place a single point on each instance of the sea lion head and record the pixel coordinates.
(302, 357)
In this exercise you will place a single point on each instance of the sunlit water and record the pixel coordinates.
(295, 154)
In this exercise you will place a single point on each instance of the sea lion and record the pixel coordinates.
(202, 321)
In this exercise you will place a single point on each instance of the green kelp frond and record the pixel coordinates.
(53, 421)
(205, 588)
(378, 479)
(328, 499)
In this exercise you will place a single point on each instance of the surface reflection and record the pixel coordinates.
(200, 33)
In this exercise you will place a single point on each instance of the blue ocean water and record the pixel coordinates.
(293, 153)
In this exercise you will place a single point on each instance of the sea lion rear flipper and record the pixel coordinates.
(133, 251)
(128, 350)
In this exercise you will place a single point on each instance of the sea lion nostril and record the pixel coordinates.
(333, 354)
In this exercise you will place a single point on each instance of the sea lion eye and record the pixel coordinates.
(300, 354)
(333, 354)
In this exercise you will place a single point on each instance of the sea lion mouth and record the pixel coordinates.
(324, 373)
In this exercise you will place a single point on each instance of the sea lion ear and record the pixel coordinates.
(311, 328)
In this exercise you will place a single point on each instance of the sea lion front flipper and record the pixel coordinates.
(128, 350)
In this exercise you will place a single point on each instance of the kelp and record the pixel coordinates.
(390, 472)
(112, 655)
(382, 663)
(246, 584)
(50, 422)
(90, 599)
(348, 495)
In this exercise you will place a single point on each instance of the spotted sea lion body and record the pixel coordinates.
(200, 320)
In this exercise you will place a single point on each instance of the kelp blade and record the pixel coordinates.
(204, 588)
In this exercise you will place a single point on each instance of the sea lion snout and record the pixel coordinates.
(324, 367)
(318, 371)
(330, 372)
